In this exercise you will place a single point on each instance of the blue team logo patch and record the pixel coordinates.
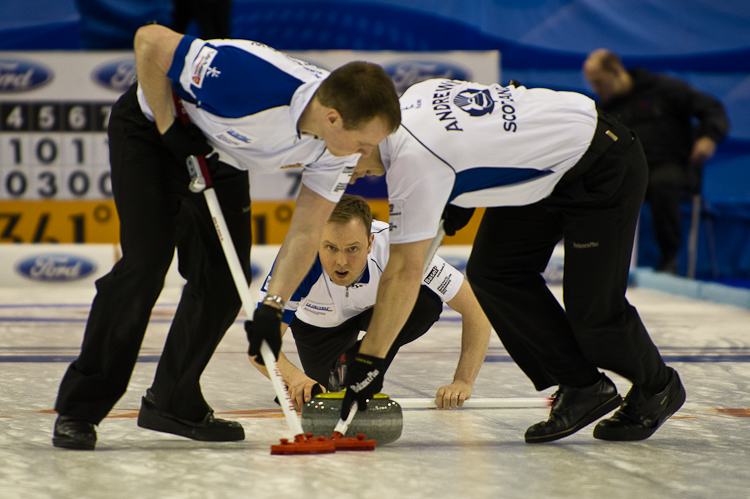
(475, 102)
(22, 76)
(55, 268)
(115, 75)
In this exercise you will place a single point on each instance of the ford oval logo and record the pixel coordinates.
(116, 75)
(407, 73)
(22, 76)
(55, 268)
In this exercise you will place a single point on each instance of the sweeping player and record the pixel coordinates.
(334, 303)
(259, 110)
(548, 166)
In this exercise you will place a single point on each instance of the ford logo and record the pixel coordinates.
(407, 73)
(116, 75)
(55, 268)
(22, 76)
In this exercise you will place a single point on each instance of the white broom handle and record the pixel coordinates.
(249, 305)
(434, 245)
(486, 403)
(343, 425)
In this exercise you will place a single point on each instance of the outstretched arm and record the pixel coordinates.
(297, 254)
(475, 338)
(397, 294)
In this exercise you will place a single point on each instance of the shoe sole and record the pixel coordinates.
(608, 406)
(151, 421)
(69, 443)
(632, 435)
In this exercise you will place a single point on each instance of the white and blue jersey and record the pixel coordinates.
(321, 303)
(475, 145)
(247, 99)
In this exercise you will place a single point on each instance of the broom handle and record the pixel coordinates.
(485, 403)
(201, 181)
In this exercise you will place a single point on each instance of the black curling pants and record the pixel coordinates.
(158, 213)
(596, 214)
(320, 347)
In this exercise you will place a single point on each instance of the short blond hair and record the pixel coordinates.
(352, 207)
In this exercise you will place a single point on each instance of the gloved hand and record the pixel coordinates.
(364, 378)
(455, 218)
(186, 140)
(266, 325)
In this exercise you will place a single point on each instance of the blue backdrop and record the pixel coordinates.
(542, 42)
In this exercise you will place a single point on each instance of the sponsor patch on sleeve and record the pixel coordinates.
(342, 181)
(201, 64)
(395, 209)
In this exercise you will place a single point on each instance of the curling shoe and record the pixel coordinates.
(639, 417)
(74, 433)
(573, 408)
(209, 429)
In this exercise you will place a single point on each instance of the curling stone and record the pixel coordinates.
(382, 421)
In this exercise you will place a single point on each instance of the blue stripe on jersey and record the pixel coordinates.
(485, 177)
(288, 316)
(307, 283)
(245, 84)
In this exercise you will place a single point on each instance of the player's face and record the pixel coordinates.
(368, 165)
(343, 142)
(344, 249)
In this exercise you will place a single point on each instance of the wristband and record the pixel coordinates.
(275, 299)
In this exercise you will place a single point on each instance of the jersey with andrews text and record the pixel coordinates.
(247, 98)
(320, 302)
(475, 145)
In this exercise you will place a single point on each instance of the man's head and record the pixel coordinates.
(606, 74)
(360, 107)
(346, 240)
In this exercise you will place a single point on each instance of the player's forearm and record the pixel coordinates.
(301, 243)
(288, 370)
(475, 334)
(397, 294)
(395, 301)
(154, 47)
(475, 339)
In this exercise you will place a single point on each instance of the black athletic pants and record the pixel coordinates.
(595, 211)
(319, 348)
(666, 187)
(158, 213)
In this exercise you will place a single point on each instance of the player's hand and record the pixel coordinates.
(302, 389)
(266, 325)
(186, 140)
(453, 395)
(364, 378)
(703, 150)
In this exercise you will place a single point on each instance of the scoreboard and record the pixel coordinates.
(54, 150)
(54, 158)
(55, 181)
